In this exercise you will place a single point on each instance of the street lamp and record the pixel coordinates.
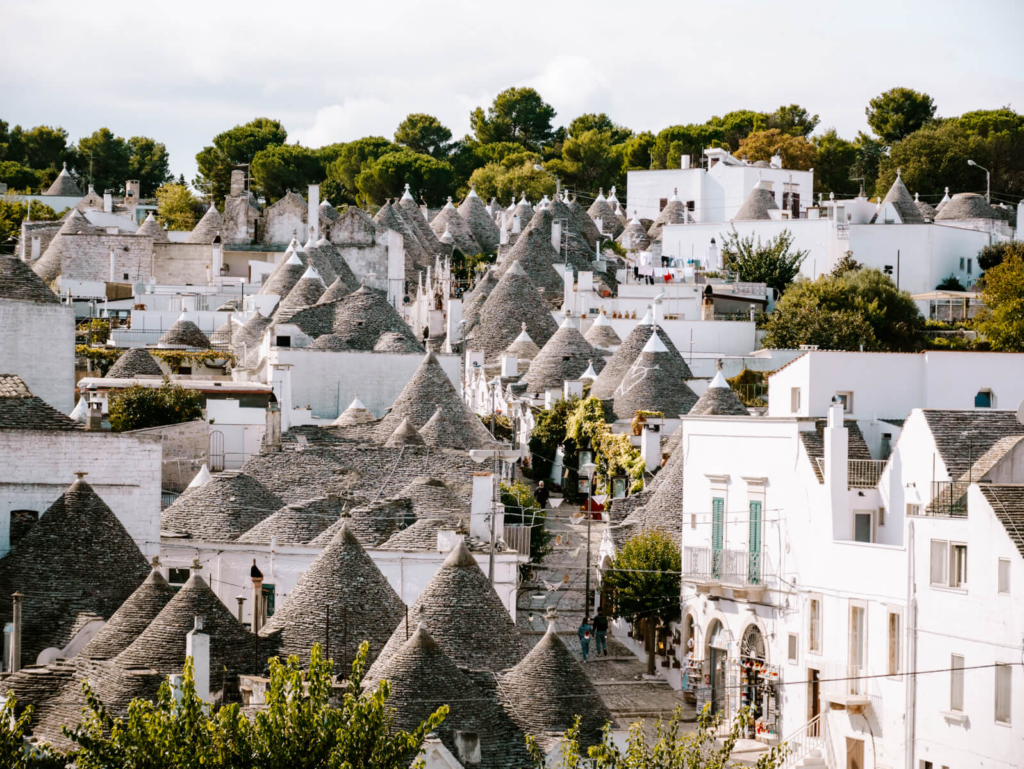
(588, 469)
(988, 180)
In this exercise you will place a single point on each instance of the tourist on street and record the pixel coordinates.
(585, 632)
(541, 495)
(601, 634)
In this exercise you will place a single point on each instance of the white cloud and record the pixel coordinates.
(573, 85)
(351, 119)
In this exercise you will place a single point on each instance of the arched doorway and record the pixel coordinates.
(756, 684)
(718, 658)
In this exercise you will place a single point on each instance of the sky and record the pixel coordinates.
(182, 72)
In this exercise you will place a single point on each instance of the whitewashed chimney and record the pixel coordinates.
(197, 646)
(837, 468)
(480, 506)
(313, 212)
(509, 364)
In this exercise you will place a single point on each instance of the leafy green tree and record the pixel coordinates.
(548, 436)
(834, 160)
(15, 752)
(846, 264)
(356, 155)
(861, 308)
(508, 154)
(104, 160)
(898, 112)
(770, 263)
(644, 578)
(588, 161)
(675, 141)
(149, 163)
(670, 745)
(793, 120)
(637, 151)
(177, 206)
(13, 213)
(232, 148)
(137, 407)
(495, 180)
(424, 133)
(933, 158)
(1002, 318)
(870, 153)
(516, 115)
(19, 178)
(599, 122)
(950, 283)
(796, 152)
(283, 167)
(387, 176)
(521, 508)
(994, 254)
(736, 126)
(46, 149)
(1003, 133)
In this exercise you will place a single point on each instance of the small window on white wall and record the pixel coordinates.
(939, 565)
(984, 399)
(1004, 576)
(794, 399)
(846, 398)
(956, 683)
(794, 649)
(814, 625)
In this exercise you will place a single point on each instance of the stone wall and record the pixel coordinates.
(38, 344)
(186, 447)
(186, 263)
(124, 469)
(284, 220)
(87, 257)
(44, 231)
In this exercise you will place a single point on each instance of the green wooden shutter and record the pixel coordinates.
(754, 548)
(717, 534)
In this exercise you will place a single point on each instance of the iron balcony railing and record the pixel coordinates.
(949, 499)
(517, 537)
(732, 567)
(863, 473)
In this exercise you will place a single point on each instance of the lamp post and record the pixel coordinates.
(988, 180)
(588, 469)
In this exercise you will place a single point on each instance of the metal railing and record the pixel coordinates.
(809, 737)
(732, 567)
(862, 473)
(167, 498)
(949, 499)
(517, 537)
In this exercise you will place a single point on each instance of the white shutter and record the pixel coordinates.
(940, 552)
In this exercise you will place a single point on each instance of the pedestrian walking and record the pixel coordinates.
(585, 632)
(601, 635)
(541, 495)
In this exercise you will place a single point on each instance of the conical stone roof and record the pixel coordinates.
(473, 301)
(416, 257)
(298, 523)
(305, 293)
(674, 212)
(587, 227)
(758, 203)
(161, 646)
(966, 205)
(328, 211)
(536, 255)
(432, 497)
(391, 341)
(482, 226)
(225, 332)
(458, 227)
(221, 510)
(903, 201)
(134, 362)
(429, 389)
(523, 210)
(337, 290)
(601, 209)
(76, 564)
(284, 276)
(423, 678)
(128, 622)
(355, 414)
(634, 236)
(410, 210)
(49, 265)
(719, 399)
(565, 356)
(331, 342)
(360, 318)
(927, 212)
(151, 229)
(19, 282)
(184, 333)
(318, 256)
(523, 347)
(465, 616)
(208, 227)
(64, 185)
(622, 359)
(513, 301)
(601, 334)
(362, 605)
(652, 383)
(248, 337)
(342, 271)
(579, 252)
(404, 435)
(546, 692)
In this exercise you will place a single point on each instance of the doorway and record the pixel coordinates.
(854, 753)
(813, 694)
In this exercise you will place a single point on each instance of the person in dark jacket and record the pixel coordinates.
(585, 632)
(541, 495)
(601, 634)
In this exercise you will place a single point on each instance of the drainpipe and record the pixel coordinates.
(16, 635)
(911, 723)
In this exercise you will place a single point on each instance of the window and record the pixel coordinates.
(284, 341)
(1004, 576)
(863, 526)
(125, 275)
(969, 266)
(956, 683)
(662, 203)
(268, 601)
(1004, 680)
(185, 370)
(794, 399)
(858, 645)
(794, 649)
(895, 644)
(881, 516)
(913, 509)
(958, 565)
(961, 264)
(984, 399)
(178, 577)
(690, 205)
(939, 571)
(693, 520)
(847, 400)
(814, 625)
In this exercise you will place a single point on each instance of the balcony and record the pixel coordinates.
(742, 571)
(862, 473)
(949, 499)
(848, 686)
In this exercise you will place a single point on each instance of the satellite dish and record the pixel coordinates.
(1020, 413)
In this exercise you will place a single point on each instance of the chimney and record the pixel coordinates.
(272, 435)
(474, 362)
(509, 364)
(237, 182)
(516, 226)
(650, 445)
(218, 257)
(111, 278)
(568, 289)
(282, 381)
(480, 506)
(108, 202)
(572, 389)
(94, 416)
(132, 193)
(684, 162)
(556, 236)
(15, 662)
(257, 597)
(37, 245)
(837, 468)
(713, 255)
(313, 212)
(448, 540)
(197, 646)
(396, 270)
(467, 745)
(776, 160)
